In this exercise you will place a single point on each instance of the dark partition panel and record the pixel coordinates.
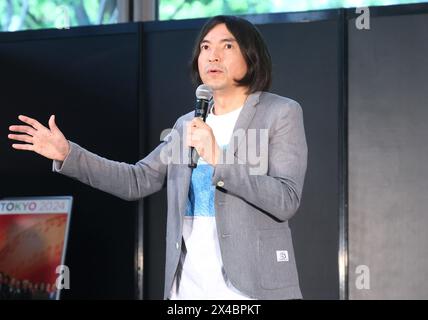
(306, 63)
(89, 78)
(168, 94)
(388, 154)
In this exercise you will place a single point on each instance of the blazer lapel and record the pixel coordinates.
(245, 117)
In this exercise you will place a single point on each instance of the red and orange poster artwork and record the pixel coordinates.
(33, 234)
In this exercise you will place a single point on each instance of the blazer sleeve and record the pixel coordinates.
(279, 191)
(126, 181)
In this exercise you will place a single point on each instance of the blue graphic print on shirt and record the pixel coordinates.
(200, 201)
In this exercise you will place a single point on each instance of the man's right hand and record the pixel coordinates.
(49, 142)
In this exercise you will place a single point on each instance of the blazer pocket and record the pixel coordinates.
(277, 266)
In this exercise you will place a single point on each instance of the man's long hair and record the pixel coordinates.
(253, 48)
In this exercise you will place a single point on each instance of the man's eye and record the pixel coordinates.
(204, 47)
(228, 46)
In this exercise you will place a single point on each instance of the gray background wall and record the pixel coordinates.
(388, 157)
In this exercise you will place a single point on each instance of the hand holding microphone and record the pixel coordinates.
(200, 137)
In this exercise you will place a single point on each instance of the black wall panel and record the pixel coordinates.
(89, 78)
(306, 68)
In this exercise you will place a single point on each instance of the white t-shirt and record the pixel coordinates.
(202, 275)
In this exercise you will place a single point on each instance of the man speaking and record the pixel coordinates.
(227, 226)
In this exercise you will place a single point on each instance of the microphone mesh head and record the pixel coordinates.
(204, 92)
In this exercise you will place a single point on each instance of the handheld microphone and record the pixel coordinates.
(203, 96)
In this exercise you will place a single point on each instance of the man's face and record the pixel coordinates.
(220, 60)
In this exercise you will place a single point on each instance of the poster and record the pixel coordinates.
(33, 241)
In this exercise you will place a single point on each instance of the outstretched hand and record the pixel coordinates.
(48, 142)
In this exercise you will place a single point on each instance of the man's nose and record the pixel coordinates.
(214, 56)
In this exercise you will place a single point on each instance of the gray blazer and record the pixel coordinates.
(253, 201)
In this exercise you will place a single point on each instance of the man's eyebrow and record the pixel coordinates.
(228, 40)
(222, 40)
